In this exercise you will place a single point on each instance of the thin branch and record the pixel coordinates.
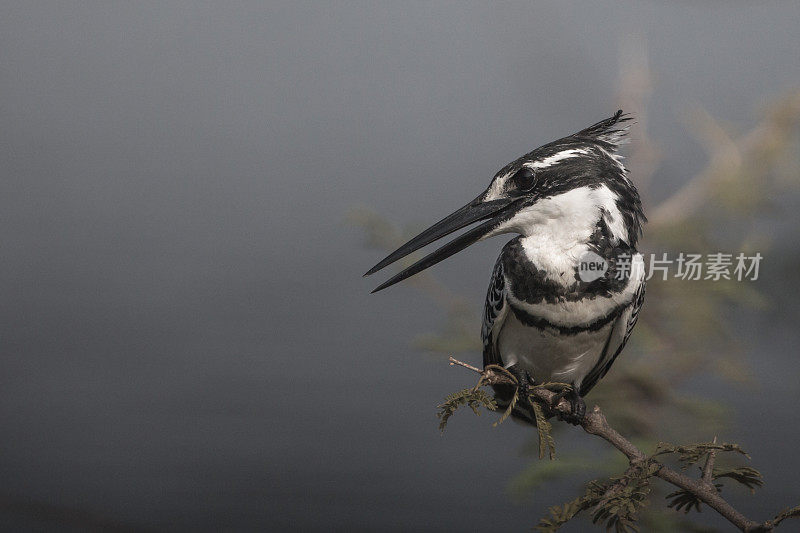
(595, 423)
(454, 361)
(708, 468)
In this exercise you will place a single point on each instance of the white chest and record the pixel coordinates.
(548, 355)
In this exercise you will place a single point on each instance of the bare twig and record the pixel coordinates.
(595, 423)
(454, 361)
(708, 468)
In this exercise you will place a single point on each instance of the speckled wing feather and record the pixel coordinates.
(494, 314)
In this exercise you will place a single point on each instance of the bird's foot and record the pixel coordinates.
(524, 382)
(578, 413)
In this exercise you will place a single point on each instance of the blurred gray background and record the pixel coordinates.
(187, 342)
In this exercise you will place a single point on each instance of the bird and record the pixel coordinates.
(566, 292)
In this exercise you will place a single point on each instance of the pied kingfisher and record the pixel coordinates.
(544, 319)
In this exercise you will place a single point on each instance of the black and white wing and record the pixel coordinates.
(618, 337)
(494, 313)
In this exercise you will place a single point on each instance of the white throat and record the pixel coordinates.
(556, 231)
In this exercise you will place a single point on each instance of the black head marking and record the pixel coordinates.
(587, 158)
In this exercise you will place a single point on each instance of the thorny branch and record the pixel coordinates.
(595, 423)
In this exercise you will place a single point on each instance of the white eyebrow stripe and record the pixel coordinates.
(555, 158)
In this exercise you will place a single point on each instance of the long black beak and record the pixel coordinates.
(474, 211)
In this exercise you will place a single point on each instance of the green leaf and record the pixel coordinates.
(746, 475)
(683, 500)
(690, 454)
(546, 442)
(473, 398)
(560, 515)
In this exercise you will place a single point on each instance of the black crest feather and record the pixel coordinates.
(608, 131)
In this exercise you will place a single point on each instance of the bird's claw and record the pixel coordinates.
(578, 406)
(524, 382)
(524, 389)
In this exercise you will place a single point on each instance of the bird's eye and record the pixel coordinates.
(524, 179)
